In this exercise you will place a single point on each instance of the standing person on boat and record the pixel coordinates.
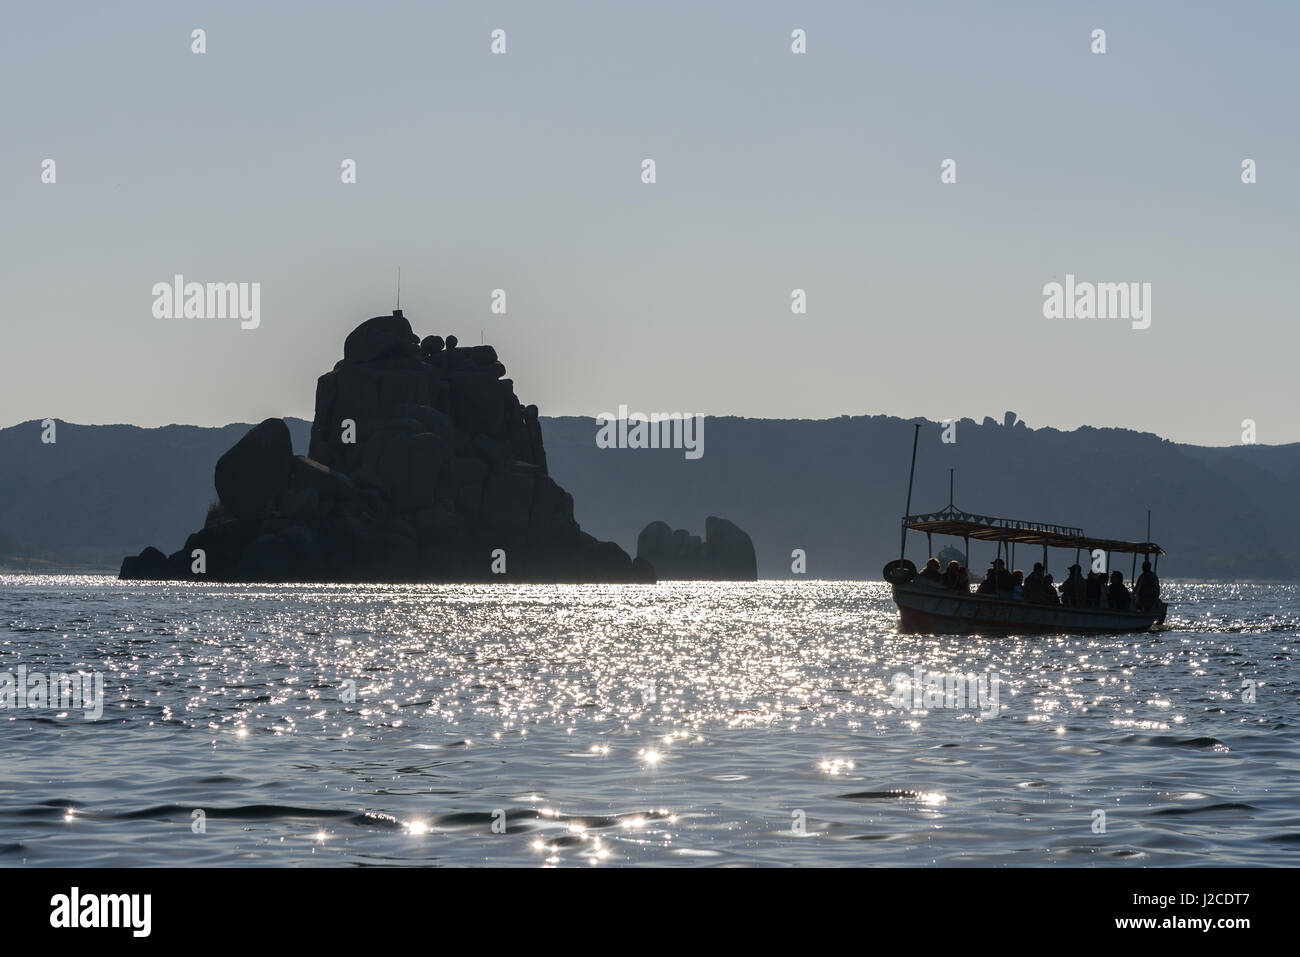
(1119, 594)
(1148, 588)
(1074, 590)
(1004, 580)
(1092, 593)
(1034, 590)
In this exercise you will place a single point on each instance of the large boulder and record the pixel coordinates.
(655, 544)
(382, 337)
(252, 476)
(149, 564)
(730, 549)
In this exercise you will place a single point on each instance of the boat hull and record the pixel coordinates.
(932, 609)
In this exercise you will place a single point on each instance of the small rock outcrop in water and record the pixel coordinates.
(423, 466)
(950, 553)
(726, 553)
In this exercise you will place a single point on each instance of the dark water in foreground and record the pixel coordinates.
(684, 723)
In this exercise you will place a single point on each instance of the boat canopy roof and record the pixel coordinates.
(984, 528)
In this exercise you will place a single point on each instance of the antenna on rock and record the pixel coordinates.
(398, 308)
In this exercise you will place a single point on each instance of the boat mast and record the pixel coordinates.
(1148, 539)
(1133, 575)
(902, 548)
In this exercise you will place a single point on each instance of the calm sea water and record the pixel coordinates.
(678, 724)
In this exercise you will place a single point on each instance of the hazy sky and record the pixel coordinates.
(775, 171)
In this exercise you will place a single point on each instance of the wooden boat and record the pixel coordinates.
(925, 605)
(930, 607)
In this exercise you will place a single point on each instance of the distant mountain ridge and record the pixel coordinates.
(832, 487)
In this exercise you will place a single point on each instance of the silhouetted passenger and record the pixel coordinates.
(952, 577)
(1092, 592)
(963, 579)
(1018, 585)
(931, 571)
(997, 581)
(1034, 584)
(1006, 581)
(1118, 594)
(1148, 588)
(1049, 591)
(1074, 590)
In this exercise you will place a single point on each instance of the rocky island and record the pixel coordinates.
(423, 467)
(726, 552)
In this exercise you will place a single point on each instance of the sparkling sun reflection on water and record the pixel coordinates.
(684, 723)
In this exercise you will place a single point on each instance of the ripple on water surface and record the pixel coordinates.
(684, 723)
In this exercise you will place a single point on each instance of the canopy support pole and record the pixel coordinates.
(902, 547)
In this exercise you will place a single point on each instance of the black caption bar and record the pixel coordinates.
(335, 906)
